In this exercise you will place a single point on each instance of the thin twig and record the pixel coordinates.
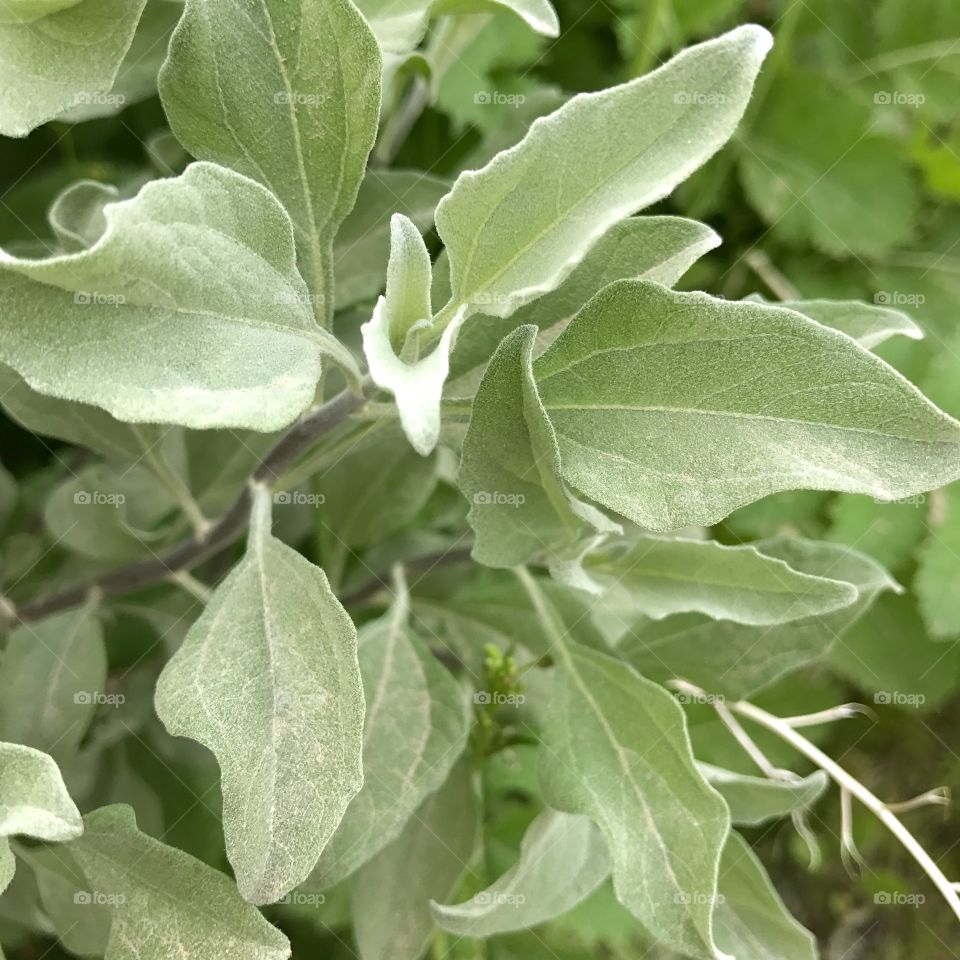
(288, 449)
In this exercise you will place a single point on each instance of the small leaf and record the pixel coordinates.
(666, 576)
(77, 214)
(362, 244)
(520, 507)
(33, 798)
(417, 385)
(143, 274)
(287, 93)
(868, 323)
(751, 921)
(755, 800)
(415, 729)
(165, 904)
(407, 301)
(516, 228)
(735, 660)
(69, 57)
(539, 15)
(617, 750)
(391, 894)
(53, 674)
(268, 680)
(562, 860)
(676, 408)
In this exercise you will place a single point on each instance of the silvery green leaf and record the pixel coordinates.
(755, 800)
(165, 904)
(407, 300)
(111, 512)
(415, 730)
(562, 860)
(644, 248)
(267, 679)
(82, 927)
(362, 245)
(520, 506)
(674, 408)
(77, 423)
(517, 227)
(416, 383)
(751, 921)
(539, 15)
(868, 323)
(391, 894)
(33, 798)
(95, 304)
(287, 93)
(398, 483)
(52, 676)
(77, 213)
(671, 575)
(137, 77)
(617, 750)
(25, 11)
(8, 864)
(60, 60)
(736, 660)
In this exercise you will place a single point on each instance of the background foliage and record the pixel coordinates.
(843, 181)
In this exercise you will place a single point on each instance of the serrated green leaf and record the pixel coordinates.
(848, 190)
(268, 680)
(62, 59)
(670, 575)
(505, 251)
(288, 94)
(509, 472)
(95, 304)
(734, 660)
(33, 801)
(562, 861)
(52, 677)
(675, 408)
(165, 904)
(755, 800)
(870, 324)
(645, 248)
(391, 894)
(751, 921)
(362, 244)
(415, 730)
(617, 750)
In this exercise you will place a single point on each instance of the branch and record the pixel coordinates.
(850, 786)
(221, 533)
